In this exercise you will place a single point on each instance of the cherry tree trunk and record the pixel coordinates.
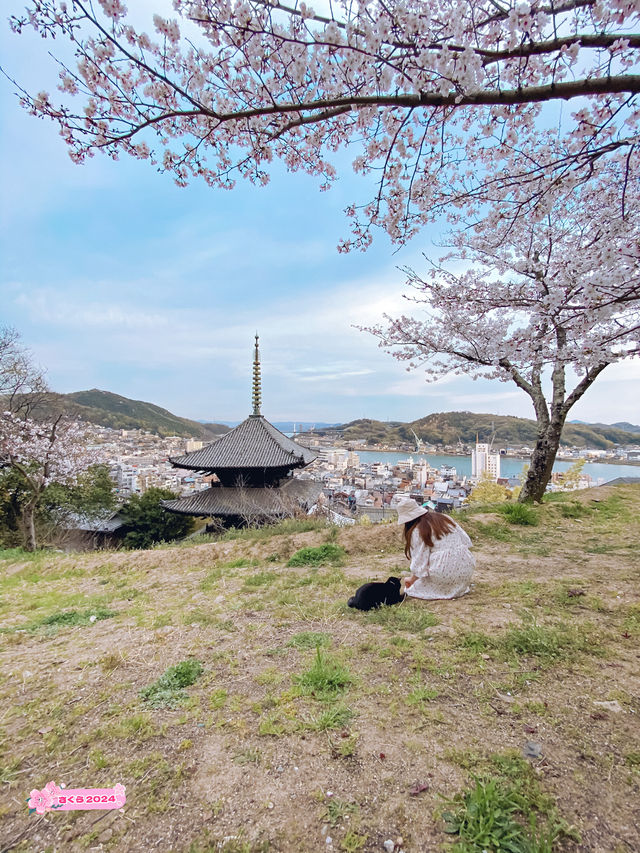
(544, 455)
(30, 527)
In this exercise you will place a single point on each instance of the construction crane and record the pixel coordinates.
(419, 442)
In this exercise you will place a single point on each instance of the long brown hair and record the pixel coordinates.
(431, 525)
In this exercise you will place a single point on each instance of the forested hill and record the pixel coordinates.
(453, 427)
(111, 410)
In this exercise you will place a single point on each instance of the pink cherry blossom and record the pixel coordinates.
(43, 453)
(546, 303)
(442, 103)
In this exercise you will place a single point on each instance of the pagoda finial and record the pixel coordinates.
(256, 380)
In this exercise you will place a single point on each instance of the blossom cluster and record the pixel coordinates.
(531, 301)
(443, 99)
(46, 452)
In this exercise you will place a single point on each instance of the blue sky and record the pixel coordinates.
(119, 280)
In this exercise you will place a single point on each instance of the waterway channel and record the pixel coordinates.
(600, 472)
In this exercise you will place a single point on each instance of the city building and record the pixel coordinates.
(484, 461)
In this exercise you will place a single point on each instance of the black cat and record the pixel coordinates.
(371, 595)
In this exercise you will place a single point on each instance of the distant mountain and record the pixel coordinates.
(290, 426)
(111, 410)
(623, 425)
(453, 427)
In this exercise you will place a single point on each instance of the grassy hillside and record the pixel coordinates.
(112, 410)
(452, 427)
(245, 708)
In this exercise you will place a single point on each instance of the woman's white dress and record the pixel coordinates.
(443, 571)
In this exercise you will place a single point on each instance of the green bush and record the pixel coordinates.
(328, 554)
(146, 522)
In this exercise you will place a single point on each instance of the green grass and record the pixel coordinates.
(422, 694)
(335, 717)
(498, 531)
(505, 810)
(517, 513)
(336, 810)
(70, 619)
(547, 643)
(19, 554)
(413, 617)
(168, 691)
(309, 640)
(631, 622)
(287, 528)
(328, 554)
(260, 579)
(574, 510)
(326, 679)
(352, 842)
(218, 699)
(240, 563)
(211, 579)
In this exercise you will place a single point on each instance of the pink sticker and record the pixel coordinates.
(69, 799)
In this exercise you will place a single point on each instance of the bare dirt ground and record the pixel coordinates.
(544, 650)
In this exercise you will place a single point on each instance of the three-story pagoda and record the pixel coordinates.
(252, 464)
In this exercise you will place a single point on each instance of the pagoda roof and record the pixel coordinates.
(255, 443)
(247, 502)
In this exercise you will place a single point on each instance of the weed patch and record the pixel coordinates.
(310, 640)
(500, 532)
(404, 617)
(326, 679)
(328, 554)
(71, 618)
(517, 513)
(168, 691)
(336, 717)
(574, 510)
(336, 810)
(547, 643)
(505, 810)
(287, 528)
(260, 579)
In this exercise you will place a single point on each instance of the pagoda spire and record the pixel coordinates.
(257, 394)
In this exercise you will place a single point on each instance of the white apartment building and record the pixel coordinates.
(483, 460)
(421, 474)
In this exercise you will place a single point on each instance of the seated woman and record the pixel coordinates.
(441, 562)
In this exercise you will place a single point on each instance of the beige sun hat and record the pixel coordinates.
(408, 510)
